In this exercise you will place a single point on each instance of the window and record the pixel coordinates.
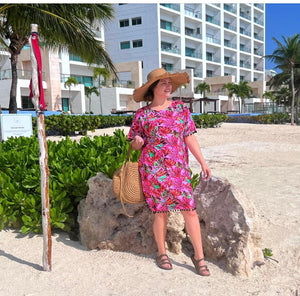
(27, 103)
(165, 25)
(209, 18)
(125, 45)
(166, 45)
(226, 25)
(241, 63)
(136, 21)
(137, 43)
(226, 42)
(227, 60)
(189, 52)
(167, 67)
(86, 80)
(226, 74)
(209, 56)
(124, 23)
(209, 73)
(242, 77)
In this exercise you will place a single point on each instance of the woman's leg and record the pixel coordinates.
(193, 229)
(160, 231)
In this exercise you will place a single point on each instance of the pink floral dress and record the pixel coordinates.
(163, 165)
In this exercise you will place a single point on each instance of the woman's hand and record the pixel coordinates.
(137, 143)
(206, 173)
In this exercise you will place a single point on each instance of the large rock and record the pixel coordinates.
(229, 225)
(103, 223)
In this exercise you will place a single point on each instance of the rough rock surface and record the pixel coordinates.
(104, 225)
(228, 223)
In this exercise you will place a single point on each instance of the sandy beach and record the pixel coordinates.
(261, 160)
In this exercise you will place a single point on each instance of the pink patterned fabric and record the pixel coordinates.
(163, 164)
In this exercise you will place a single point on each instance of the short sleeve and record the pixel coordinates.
(189, 127)
(136, 128)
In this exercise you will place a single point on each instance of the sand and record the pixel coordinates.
(261, 160)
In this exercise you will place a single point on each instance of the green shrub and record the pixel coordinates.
(71, 164)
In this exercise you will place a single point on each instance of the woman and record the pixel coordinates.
(164, 131)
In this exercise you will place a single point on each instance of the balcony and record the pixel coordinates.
(229, 8)
(244, 32)
(196, 55)
(245, 65)
(244, 15)
(261, 23)
(171, 6)
(230, 62)
(229, 44)
(192, 34)
(229, 27)
(258, 37)
(213, 59)
(192, 13)
(258, 52)
(169, 27)
(170, 49)
(6, 74)
(245, 49)
(212, 20)
(211, 39)
(260, 6)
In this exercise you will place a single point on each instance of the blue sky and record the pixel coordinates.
(281, 20)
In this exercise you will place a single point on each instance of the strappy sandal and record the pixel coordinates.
(201, 269)
(162, 261)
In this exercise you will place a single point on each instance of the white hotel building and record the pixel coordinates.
(215, 43)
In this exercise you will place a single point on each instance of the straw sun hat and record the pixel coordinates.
(177, 79)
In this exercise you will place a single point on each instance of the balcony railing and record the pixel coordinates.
(213, 59)
(170, 50)
(245, 65)
(229, 27)
(192, 13)
(198, 74)
(171, 6)
(213, 21)
(22, 74)
(260, 6)
(258, 22)
(196, 55)
(258, 37)
(195, 35)
(244, 32)
(230, 44)
(258, 52)
(244, 15)
(245, 49)
(230, 63)
(210, 38)
(229, 8)
(170, 28)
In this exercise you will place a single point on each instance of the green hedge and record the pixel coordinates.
(68, 125)
(276, 118)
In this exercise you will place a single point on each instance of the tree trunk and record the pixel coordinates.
(14, 81)
(293, 96)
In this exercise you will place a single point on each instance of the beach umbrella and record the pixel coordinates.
(37, 96)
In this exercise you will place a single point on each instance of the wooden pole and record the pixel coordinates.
(43, 160)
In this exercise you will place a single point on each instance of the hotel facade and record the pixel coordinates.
(215, 43)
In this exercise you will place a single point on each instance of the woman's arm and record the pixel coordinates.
(194, 147)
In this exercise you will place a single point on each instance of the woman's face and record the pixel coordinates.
(163, 88)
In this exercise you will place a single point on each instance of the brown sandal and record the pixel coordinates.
(201, 269)
(162, 261)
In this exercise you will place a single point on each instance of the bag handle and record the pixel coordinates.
(121, 185)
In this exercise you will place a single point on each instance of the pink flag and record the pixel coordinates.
(37, 53)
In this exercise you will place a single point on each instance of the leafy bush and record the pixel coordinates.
(275, 118)
(71, 164)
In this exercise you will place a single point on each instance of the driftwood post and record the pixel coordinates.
(37, 96)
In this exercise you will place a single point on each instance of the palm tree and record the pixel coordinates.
(241, 90)
(89, 90)
(98, 72)
(61, 26)
(202, 87)
(244, 91)
(68, 84)
(232, 91)
(270, 95)
(287, 57)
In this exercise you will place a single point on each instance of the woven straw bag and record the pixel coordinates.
(127, 184)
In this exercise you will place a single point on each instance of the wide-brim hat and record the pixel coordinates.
(178, 79)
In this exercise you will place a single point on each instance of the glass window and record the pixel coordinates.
(125, 45)
(27, 103)
(209, 73)
(137, 43)
(165, 25)
(136, 21)
(124, 23)
(189, 52)
(209, 56)
(167, 67)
